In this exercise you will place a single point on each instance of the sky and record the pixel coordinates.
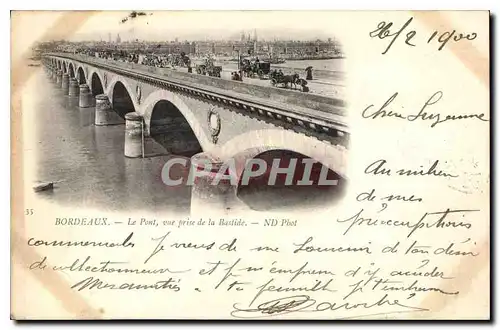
(30, 27)
(198, 25)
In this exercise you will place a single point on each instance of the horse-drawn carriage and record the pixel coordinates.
(211, 70)
(208, 67)
(255, 68)
(278, 78)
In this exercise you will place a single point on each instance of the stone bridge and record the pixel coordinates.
(168, 111)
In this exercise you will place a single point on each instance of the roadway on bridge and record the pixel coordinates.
(324, 86)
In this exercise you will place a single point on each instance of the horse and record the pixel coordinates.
(246, 69)
(303, 83)
(291, 78)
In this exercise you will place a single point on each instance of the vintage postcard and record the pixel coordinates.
(250, 165)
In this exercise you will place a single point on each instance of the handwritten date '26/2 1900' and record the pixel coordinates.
(442, 38)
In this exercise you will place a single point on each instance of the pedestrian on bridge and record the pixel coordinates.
(309, 75)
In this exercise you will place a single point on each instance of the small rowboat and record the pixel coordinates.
(43, 186)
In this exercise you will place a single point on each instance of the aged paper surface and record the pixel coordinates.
(144, 147)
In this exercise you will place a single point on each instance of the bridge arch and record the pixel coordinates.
(65, 69)
(121, 99)
(59, 64)
(96, 85)
(286, 145)
(110, 90)
(80, 76)
(158, 104)
(169, 128)
(251, 144)
(71, 70)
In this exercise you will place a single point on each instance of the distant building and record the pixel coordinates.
(224, 48)
(169, 47)
(204, 47)
(303, 49)
(288, 50)
(245, 48)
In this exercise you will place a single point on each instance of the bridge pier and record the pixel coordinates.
(65, 83)
(210, 195)
(52, 73)
(59, 78)
(104, 113)
(85, 100)
(48, 70)
(61, 82)
(134, 135)
(74, 89)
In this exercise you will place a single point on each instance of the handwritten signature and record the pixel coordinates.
(304, 303)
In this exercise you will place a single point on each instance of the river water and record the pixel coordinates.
(87, 161)
(334, 65)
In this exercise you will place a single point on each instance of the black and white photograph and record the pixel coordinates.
(250, 165)
(129, 116)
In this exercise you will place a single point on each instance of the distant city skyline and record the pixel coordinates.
(158, 36)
